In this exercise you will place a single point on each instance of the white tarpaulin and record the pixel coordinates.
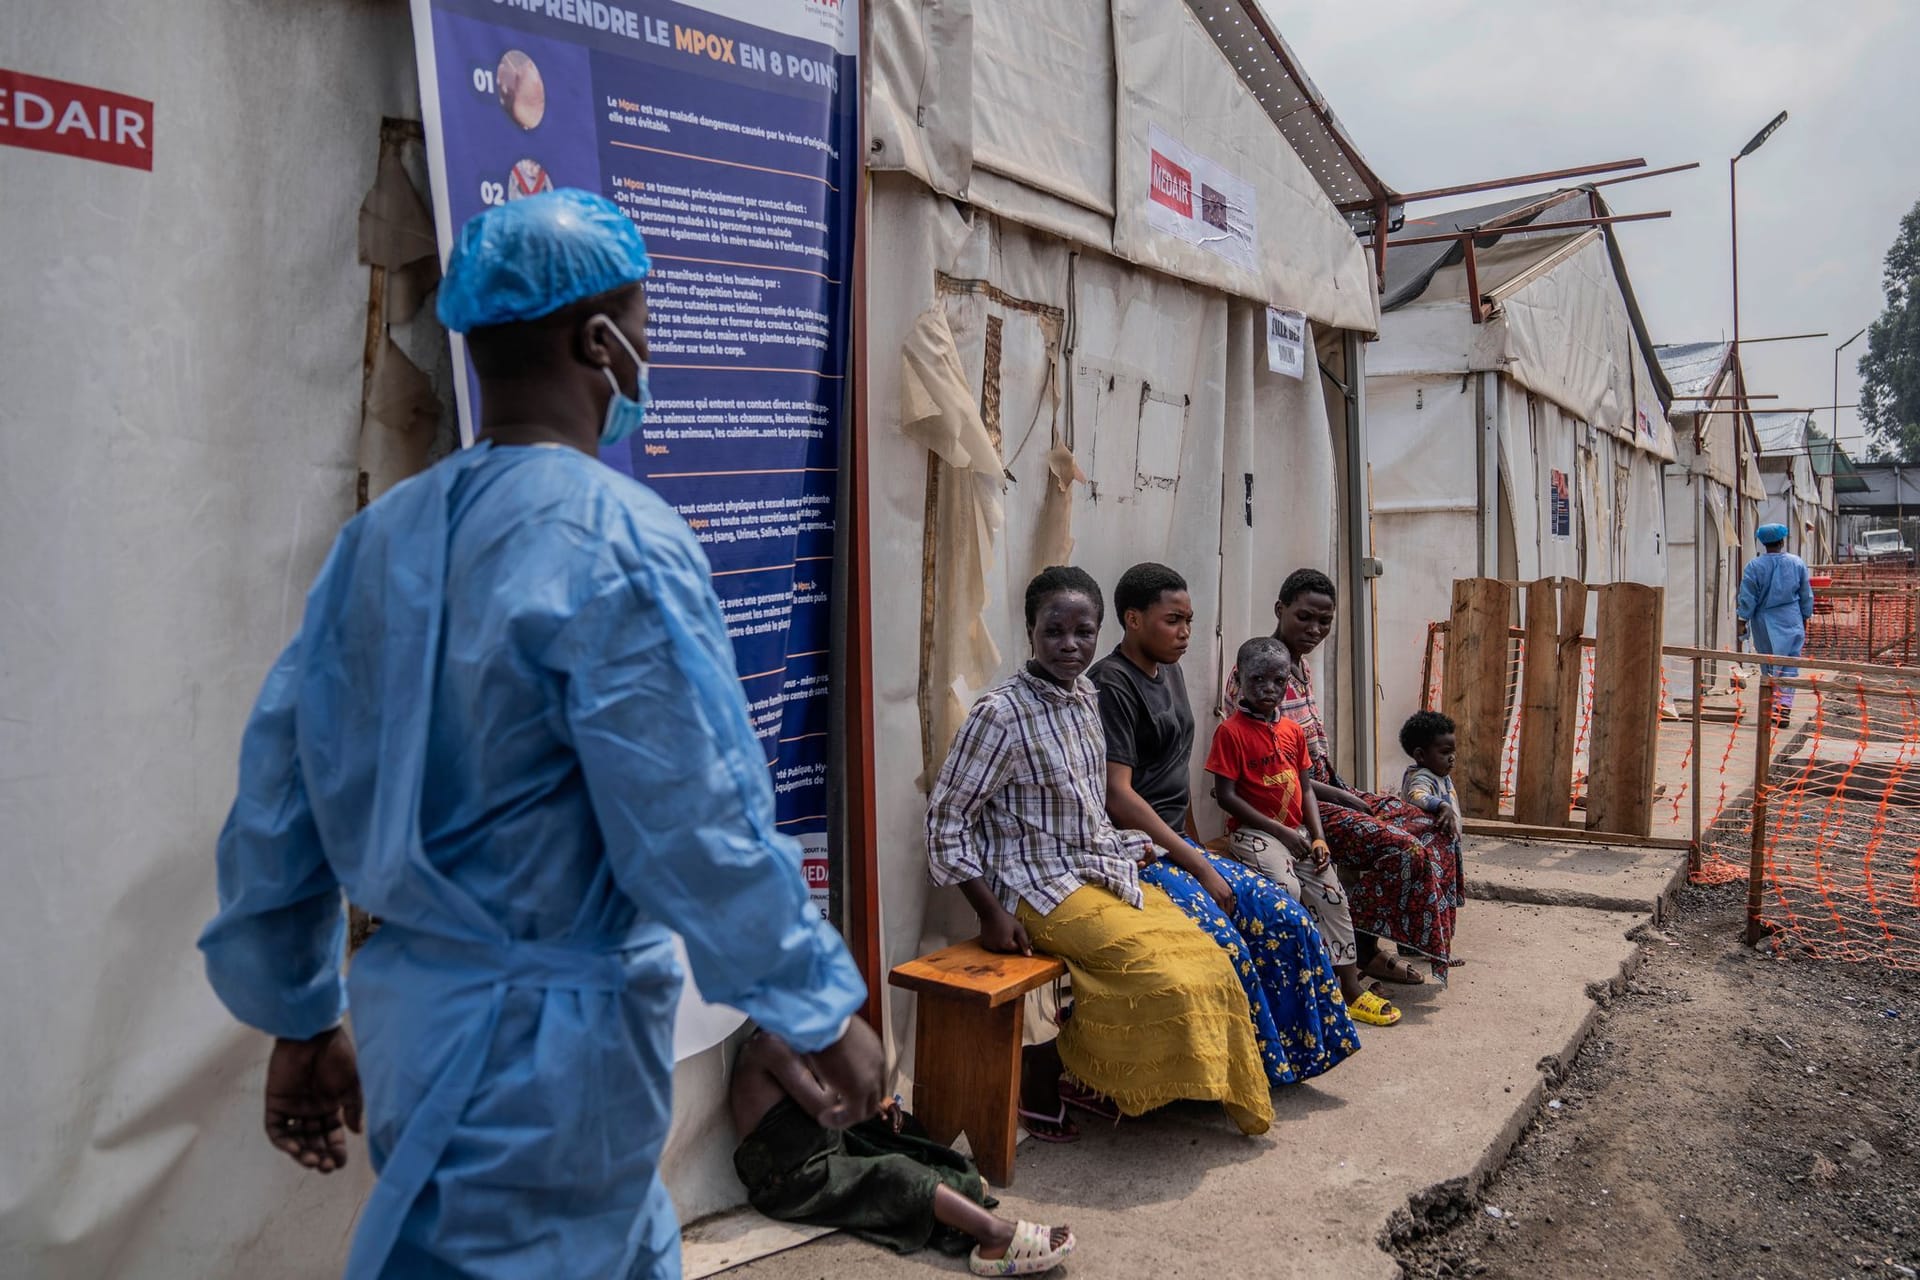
(182, 356)
(1527, 446)
(1167, 408)
(966, 99)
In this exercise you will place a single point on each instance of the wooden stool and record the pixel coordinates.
(966, 1069)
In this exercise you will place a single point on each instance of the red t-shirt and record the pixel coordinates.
(1265, 761)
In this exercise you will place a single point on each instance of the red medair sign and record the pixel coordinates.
(75, 120)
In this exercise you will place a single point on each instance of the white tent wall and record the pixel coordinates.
(1703, 569)
(958, 91)
(1018, 217)
(1794, 499)
(1166, 403)
(1426, 521)
(1558, 369)
(181, 352)
(1690, 613)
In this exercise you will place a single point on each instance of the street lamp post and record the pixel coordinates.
(1833, 448)
(1740, 382)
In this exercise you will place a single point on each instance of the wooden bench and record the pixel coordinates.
(966, 1071)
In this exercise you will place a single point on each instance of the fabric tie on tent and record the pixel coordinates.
(938, 410)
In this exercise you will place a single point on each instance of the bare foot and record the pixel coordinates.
(997, 1247)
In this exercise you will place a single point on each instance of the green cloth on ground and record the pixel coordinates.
(869, 1180)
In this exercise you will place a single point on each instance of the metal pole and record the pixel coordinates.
(1733, 218)
(1473, 283)
(1757, 865)
(1836, 392)
(1694, 855)
(1359, 551)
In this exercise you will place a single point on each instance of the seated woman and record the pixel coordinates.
(884, 1179)
(1292, 990)
(1408, 883)
(1017, 819)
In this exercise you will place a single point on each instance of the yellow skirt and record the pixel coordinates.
(1158, 1012)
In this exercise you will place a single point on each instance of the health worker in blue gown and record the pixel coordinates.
(1776, 600)
(510, 728)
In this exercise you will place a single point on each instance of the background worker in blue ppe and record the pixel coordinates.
(510, 727)
(1776, 599)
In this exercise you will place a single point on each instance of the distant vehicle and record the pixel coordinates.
(1882, 544)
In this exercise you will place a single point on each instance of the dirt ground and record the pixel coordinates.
(1735, 1113)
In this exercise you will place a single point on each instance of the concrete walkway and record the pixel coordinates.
(1439, 1098)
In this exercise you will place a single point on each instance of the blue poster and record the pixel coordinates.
(727, 130)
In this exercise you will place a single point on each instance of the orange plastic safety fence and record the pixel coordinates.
(1871, 620)
(1842, 837)
(1842, 841)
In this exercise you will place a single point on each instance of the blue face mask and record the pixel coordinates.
(625, 413)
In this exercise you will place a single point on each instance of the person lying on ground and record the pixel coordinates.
(884, 1179)
(1292, 991)
(1017, 819)
(1400, 872)
(1259, 765)
(1431, 741)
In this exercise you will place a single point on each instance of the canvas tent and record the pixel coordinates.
(1056, 377)
(1527, 443)
(1713, 495)
(1799, 494)
(182, 436)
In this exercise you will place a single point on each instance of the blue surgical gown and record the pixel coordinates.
(1776, 599)
(510, 727)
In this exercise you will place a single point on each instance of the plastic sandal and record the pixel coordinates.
(1067, 1133)
(1399, 971)
(1373, 1011)
(1081, 1098)
(1031, 1253)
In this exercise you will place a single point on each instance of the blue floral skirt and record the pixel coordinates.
(1298, 1015)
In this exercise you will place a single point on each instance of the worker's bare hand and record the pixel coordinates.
(313, 1098)
(853, 1072)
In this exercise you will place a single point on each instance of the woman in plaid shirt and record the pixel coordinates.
(1018, 820)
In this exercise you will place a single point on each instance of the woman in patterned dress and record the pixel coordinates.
(1407, 884)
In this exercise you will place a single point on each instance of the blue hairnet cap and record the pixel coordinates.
(529, 258)
(1770, 534)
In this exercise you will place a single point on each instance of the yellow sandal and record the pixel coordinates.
(1371, 1009)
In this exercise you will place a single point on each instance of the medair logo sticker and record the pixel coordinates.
(75, 120)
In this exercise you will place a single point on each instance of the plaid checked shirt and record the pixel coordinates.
(1022, 799)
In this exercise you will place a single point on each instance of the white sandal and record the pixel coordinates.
(1031, 1253)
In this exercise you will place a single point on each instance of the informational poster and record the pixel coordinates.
(728, 131)
(1286, 342)
(1201, 202)
(1560, 498)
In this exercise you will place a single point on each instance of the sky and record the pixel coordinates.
(1442, 92)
